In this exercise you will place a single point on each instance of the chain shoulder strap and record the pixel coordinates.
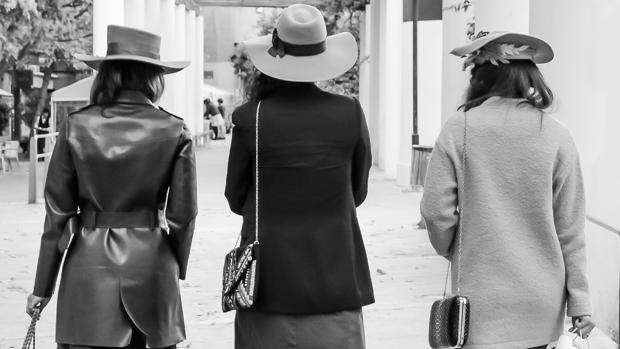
(256, 173)
(461, 205)
(461, 198)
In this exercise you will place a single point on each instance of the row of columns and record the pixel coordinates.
(182, 33)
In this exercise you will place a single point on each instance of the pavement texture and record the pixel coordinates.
(407, 275)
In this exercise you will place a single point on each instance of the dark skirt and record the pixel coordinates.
(259, 330)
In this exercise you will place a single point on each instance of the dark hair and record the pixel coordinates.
(262, 85)
(517, 79)
(219, 100)
(116, 76)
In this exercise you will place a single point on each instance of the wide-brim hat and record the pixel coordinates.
(537, 50)
(131, 44)
(300, 50)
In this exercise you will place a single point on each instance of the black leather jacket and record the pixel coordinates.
(120, 166)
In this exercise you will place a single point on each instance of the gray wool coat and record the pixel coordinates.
(523, 258)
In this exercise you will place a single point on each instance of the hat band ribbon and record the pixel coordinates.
(282, 48)
(115, 48)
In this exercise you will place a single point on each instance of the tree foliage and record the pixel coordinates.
(45, 33)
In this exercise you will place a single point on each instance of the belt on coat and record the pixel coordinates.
(94, 219)
(137, 219)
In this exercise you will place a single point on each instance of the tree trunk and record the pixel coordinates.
(47, 77)
(4, 67)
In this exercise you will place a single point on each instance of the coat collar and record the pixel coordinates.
(133, 97)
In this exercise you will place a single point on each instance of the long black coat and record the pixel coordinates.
(314, 160)
(117, 165)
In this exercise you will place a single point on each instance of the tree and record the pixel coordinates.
(43, 32)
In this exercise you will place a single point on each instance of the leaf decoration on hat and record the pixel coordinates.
(495, 53)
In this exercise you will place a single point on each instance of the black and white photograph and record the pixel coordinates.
(309, 174)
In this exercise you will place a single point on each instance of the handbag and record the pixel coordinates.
(449, 318)
(29, 341)
(240, 279)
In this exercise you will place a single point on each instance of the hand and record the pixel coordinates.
(35, 305)
(583, 324)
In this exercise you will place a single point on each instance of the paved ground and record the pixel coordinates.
(407, 276)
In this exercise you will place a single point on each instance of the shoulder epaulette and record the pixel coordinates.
(169, 113)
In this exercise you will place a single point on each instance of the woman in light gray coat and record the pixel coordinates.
(514, 174)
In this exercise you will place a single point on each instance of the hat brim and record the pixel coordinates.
(542, 51)
(339, 56)
(95, 61)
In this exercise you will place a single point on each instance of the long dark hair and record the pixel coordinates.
(517, 79)
(116, 76)
(262, 85)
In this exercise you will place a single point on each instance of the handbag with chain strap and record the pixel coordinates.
(449, 319)
(240, 279)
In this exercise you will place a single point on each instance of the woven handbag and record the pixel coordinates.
(240, 279)
(449, 320)
(29, 341)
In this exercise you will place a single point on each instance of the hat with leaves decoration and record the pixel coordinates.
(502, 47)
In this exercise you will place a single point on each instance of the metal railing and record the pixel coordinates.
(34, 158)
(603, 225)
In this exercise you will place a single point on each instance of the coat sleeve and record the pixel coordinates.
(569, 215)
(362, 159)
(182, 207)
(61, 202)
(440, 200)
(239, 175)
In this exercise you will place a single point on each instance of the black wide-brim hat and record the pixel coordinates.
(129, 44)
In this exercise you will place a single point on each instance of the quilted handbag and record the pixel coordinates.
(240, 279)
(449, 320)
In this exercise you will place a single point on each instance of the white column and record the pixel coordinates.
(134, 13)
(167, 32)
(153, 17)
(179, 54)
(390, 60)
(364, 63)
(373, 114)
(199, 71)
(511, 15)
(429, 80)
(403, 174)
(190, 77)
(105, 12)
(454, 79)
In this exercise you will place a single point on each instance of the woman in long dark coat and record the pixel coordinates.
(314, 161)
(122, 181)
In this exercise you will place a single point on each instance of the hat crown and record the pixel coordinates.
(125, 40)
(301, 24)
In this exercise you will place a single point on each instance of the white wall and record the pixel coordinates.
(584, 77)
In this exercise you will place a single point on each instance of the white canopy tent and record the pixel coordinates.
(77, 91)
(70, 98)
(4, 93)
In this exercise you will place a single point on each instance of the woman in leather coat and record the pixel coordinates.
(122, 183)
